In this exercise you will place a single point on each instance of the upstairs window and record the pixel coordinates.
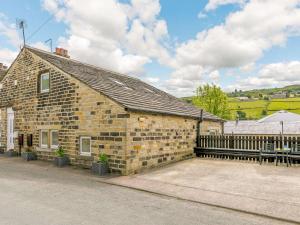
(44, 82)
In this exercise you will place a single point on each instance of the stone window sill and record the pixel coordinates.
(84, 157)
(44, 149)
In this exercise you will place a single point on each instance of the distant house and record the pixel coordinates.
(243, 98)
(279, 95)
(52, 100)
(281, 121)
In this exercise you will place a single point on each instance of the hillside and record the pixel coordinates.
(259, 108)
(256, 92)
(265, 105)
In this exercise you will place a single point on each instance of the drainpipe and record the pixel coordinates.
(199, 128)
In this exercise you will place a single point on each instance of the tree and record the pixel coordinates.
(241, 115)
(212, 99)
(264, 112)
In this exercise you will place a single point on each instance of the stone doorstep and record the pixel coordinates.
(261, 207)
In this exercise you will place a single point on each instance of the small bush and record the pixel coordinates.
(60, 152)
(103, 158)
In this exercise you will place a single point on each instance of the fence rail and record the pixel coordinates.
(247, 142)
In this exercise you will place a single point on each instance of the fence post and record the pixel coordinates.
(198, 128)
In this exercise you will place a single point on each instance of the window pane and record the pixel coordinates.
(54, 138)
(44, 138)
(45, 81)
(85, 145)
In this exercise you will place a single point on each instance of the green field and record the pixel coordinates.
(254, 109)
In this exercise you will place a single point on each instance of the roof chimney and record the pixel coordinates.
(62, 52)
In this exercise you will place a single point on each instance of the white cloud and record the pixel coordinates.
(271, 75)
(213, 4)
(118, 36)
(145, 10)
(9, 31)
(152, 80)
(184, 80)
(7, 56)
(10, 34)
(41, 45)
(214, 76)
(244, 36)
(201, 15)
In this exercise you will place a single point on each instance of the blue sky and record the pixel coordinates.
(175, 45)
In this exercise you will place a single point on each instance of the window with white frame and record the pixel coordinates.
(85, 146)
(54, 139)
(44, 138)
(45, 82)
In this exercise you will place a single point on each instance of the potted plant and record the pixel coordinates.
(2, 149)
(11, 153)
(61, 159)
(101, 166)
(28, 155)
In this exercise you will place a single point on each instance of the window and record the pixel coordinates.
(54, 139)
(44, 138)
(85, 146)
(121, 84)
(45, 82)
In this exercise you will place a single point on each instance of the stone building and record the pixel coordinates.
(52, 100)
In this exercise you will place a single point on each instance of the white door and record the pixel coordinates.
(10, 129)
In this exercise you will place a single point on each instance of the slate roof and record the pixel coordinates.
(253, 127)
(282, 115)
(132, 93)
(268, 125)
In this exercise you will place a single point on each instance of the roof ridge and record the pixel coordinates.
(83, 63)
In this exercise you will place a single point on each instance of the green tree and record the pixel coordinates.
(212, 99)
(241, 115)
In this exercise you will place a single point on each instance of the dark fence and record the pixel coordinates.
(245, 147)
(247, 142)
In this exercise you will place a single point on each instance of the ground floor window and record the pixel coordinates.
(85, 146)
(49, 139)
(54, 139)
(44, 137)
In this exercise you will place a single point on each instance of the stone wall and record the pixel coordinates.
(156, 140)
(70, 107)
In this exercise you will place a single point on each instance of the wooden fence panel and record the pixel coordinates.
(247, 142)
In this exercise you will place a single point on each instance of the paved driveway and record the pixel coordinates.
(37, 193)
(267, 189)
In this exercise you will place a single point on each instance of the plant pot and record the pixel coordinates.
(10, 153)
(28, 156)
(1, 150)
(61, 161)
(100, 168)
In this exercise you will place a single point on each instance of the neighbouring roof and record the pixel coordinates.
(282, 115)
(253, 127)
(130, 92)
(271, 124)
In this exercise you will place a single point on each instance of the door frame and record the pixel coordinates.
(10, 128)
